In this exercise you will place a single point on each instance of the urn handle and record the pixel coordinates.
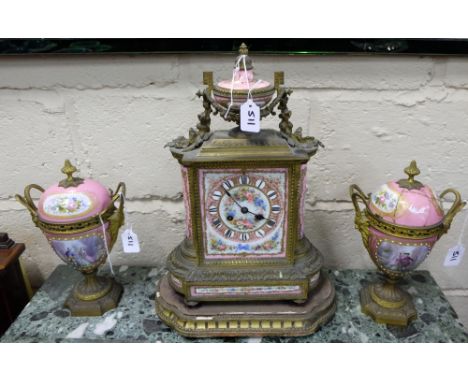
(27, 200)
(120, 193)
(121, 189)
(356, 193)
(456, 207)
(360, 220)
(117, 219)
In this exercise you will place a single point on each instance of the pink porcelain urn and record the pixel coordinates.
(243, 85)
(81, 222)
(399, 226)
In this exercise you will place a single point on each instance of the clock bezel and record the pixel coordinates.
(291, 217)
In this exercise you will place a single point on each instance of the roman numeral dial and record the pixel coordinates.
(244, 208)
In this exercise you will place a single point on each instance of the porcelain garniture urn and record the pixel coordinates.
(81, 223)
(400, 224)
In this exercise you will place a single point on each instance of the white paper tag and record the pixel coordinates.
(454, 256)
(250, 117)
(130, 241)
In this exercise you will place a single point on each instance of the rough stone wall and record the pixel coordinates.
(112, 116)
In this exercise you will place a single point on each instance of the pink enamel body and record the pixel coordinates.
(68, 205)
(406, 207)
(243, 81)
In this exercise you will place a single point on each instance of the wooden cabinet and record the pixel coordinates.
(15, 291)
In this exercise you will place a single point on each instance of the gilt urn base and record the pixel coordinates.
(386, 303)
(93, 296)
(253, 319)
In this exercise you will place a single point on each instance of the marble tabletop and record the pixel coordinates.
(45, 320)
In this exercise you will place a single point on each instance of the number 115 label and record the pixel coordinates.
(250, 117)
(454, 256)
(130, 241)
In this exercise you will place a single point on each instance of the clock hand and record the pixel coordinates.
(244, 209)
(257, 216)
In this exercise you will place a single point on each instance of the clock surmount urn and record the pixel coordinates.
(399, 226)
(245, 266)
(81, 223)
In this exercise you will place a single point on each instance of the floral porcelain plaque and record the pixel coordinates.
(67, 204)
(243, 213)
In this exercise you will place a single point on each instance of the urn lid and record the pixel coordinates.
(407, 202)
(242, 80)
(73, 199)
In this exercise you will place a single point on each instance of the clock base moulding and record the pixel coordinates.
(287, 281)
(236, 319)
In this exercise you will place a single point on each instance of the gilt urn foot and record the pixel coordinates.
(386, 303)
(93, 296)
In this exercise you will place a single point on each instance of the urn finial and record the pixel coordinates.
(243, 59)
(243, 49)
(68, 169)
(412, 170)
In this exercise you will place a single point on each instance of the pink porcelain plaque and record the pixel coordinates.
(244, 213)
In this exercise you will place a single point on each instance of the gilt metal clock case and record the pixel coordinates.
(244, 199)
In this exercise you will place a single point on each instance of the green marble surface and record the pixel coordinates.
(45, 320)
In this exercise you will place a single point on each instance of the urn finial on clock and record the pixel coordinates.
(243, 49)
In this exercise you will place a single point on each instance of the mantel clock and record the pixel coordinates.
(245, 266)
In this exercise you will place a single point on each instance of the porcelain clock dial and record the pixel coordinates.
(244, 213)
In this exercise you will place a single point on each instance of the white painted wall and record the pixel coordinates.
(112, 115)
